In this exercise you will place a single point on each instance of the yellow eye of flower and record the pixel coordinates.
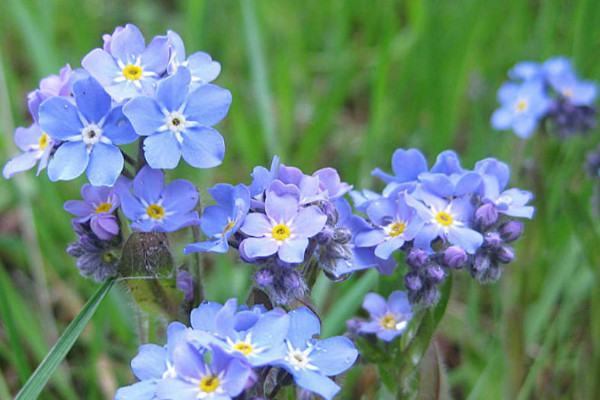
(228, 227)
(43, 143)
(155, 211)
(522, 105)
(104, 207)
(281, 232)
(243, 348)
(443, 218)
(388, 322)
(209, 383)
(132, 72)
(396, 228)
(567, 92)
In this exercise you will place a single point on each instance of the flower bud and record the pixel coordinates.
(292, 280)
(486, 215)
(435, 273)
(264, 277)
(185, 283)
(505, 254)
(413, 282)
(455, 257)
(482, 262)
(342, 235)
(511, 231)
(493, 240)
(326, 235)
(417, 258)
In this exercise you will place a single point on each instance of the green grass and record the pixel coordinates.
(340, 83)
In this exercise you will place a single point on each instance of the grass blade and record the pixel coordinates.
(42, 374)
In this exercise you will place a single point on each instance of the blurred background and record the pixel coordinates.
(339, 83)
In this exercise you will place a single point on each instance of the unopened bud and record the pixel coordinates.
(493, 240)
(417, 258)
(511, 230)
(505, 254)
(413, 282)
(486, 215)
(264, 277)
(435, 273)
(455, 257)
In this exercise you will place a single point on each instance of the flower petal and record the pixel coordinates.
(106, 163)
(375, 304)
(334, 355)
(162, 151)
(203, 147)
(208, 104)
(92, 100)
(145, 115)
(148, 184)
(69, 161)
(292, 250)
(260, 247)
(180, 195)
(59, 118)
(150, 362)
(173, 90)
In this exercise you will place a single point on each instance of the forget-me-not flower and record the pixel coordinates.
(90, 130)
(388, 319)
(97, 207)
(178, 122)
(129, 68)
(155, 208)
(202, 67)
(222, 221)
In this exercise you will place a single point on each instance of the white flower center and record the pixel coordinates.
(176, 122)
(91, 134)
(298, 358)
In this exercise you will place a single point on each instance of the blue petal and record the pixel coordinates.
(379, 211)
(59, 118)
(117, 127)
(203, 68)
(188, 361)
(208, 105)
(369, 238)
(236, 377)
(145, 390)
(132, 208)
(203, 147)
(69, 161)
(128, 44)
(308, 222)
(316, 383)
(214, 245)
(398, 303)
(260, 247)
(20, 163)
(148, 184)
(447, 162)
(304, 324)
(385, 249)
(105, 165)
(214, 220)
(145, 115)
(92, 100)
(524, 127)
(408, 164)
(467, 238)
(375, 304)
(173, 90)
(203, 317)
(292, 250)
(180, 195)
(179, 220)
(101, 66)
(150, 362)
(170, 389)
(156, 56)
(334, 355)
(162, 151)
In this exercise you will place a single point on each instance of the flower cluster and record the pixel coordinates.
(548, 91)
(287, 222)
(126, 91)
(246, 347)
(443, 218)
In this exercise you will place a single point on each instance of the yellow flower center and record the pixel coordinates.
(521, 105)
(104, 207)
(155, 211)
(132, 72)
(43, 143)
(396, 228)
(443, 218)
(281, 232)
(567, 92)
(243, 348)
(388, 322)
(209, 383)
(228, 227)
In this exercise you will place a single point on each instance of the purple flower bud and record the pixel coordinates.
(342, 235)
(430, 296)
(494, 273)
(353, 324)
(264, 277)
(413, 282)
(185, 283)
(292, 280)
(326, 235)
(435, 273)
(482, 262)
(493, 240)
(455, 257)
(417, 258)
(505, 254)
(511, 230)
(486, 215)
(329, 209)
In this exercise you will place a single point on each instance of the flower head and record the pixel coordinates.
(91, 131)
(178, 122)
(202, 68)
(129, 68)
(155, 208)
(388, 319)
(37, 146)
(97, 207)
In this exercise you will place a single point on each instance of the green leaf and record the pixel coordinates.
(42, 374)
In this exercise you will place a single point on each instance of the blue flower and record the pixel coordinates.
(449, 220)
(97, 207)
(224, 378)
(221, 221)
(527, 70)
(406, 165)
(177, 123)
(512, 202)
(573, 90)
(311, 361)
(129, 68)
(262, 178)
(388, 320)
(37, 146)
(284, 229)
(152, 364)
(522, 107)
(91, 131)
(202, 68)
(156, 208)
(395, 224)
